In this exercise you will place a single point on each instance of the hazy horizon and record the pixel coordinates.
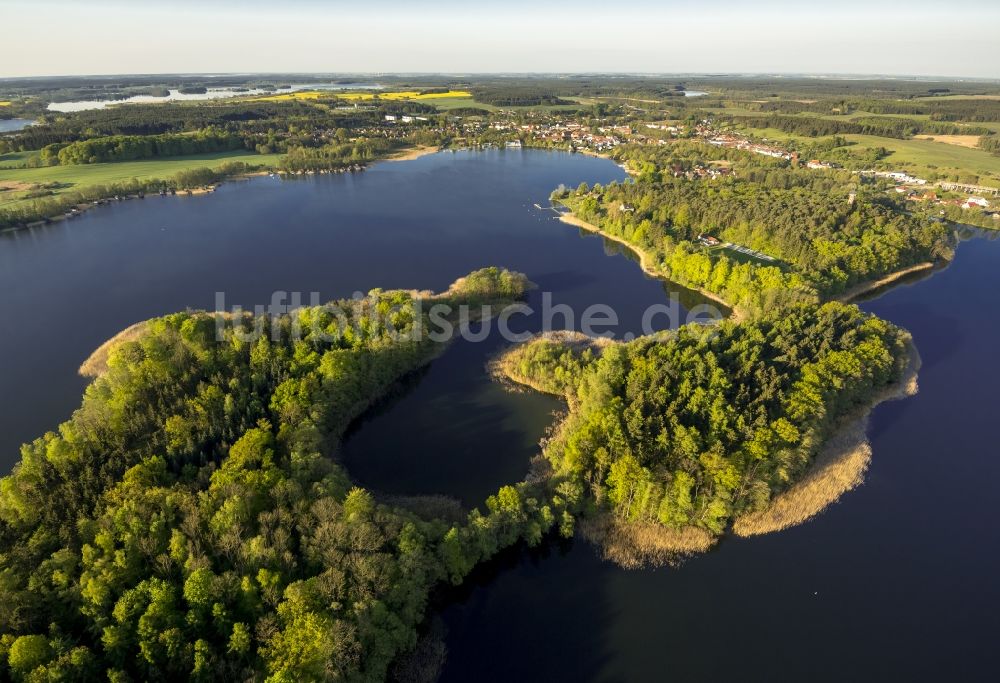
(462, 74)
(45, 38)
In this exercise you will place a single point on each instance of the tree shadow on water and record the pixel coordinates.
(528, 614)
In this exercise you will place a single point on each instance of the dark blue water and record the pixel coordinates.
(896, 582)
(66, 288)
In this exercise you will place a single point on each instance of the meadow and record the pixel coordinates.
(915, 155)
(15, 183)
(924, 155)
(15, 159)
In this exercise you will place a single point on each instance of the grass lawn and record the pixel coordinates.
(15, 159)
(74, 177)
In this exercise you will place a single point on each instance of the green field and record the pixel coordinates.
(15, 159)
(929, 154)
(917, 156)
(19, 180)
(449, 103)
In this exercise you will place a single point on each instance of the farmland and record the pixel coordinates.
(368, 95)
(921, 156)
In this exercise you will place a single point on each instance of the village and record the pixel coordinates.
(563, 131)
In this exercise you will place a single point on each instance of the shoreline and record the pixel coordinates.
(629, 545)
(643, 545)
(838, 468)
(96, 364)
(413, 153)
(570, 218)
(76, 210)
(863, 288)
(502, 366)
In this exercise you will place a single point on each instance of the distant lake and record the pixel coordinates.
(212, 94)
(11, 125)
(694, 93)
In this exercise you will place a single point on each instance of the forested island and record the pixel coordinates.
(673, 437)
(188, 520)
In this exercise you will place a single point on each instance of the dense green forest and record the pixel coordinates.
(821, 241)
(157, 119)
(188, 522)
(335, 156)
(885, 126)
(131, 147)
(276, 124)
(517, 97)
(711, 421)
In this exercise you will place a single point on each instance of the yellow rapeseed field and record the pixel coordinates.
(355, 96)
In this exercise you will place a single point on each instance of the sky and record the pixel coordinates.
(59, 37)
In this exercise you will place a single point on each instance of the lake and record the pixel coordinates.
(175, 95)
(413, 224)
(13, 125)
(895, 582)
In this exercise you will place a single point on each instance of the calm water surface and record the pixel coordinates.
(66, 288)
(11, 125)
(896, 582)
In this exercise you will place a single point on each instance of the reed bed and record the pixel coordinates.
(639, 545)
(97, 363)
(839, 467)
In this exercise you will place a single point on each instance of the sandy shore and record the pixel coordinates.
(870, 286)
(414, 153)
(645, 262)
(602, 155)
(839, 466)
